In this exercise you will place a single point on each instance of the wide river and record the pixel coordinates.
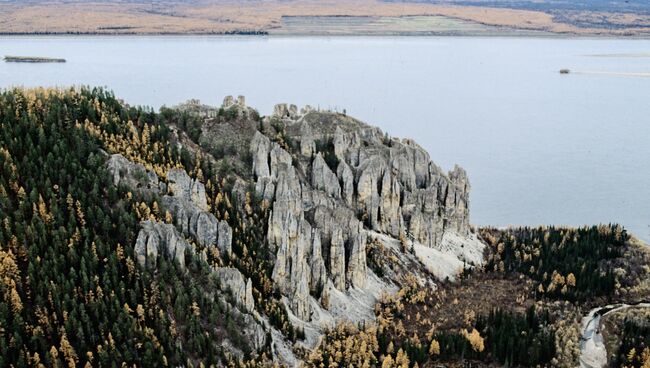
(539, 147)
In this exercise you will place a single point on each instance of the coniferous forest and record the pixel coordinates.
(635, 346)
(567, 263)
(72, 294)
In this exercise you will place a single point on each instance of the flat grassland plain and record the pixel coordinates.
(298, 17)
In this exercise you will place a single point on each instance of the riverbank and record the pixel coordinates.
(303, 17)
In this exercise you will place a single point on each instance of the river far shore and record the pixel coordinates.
(337, 17)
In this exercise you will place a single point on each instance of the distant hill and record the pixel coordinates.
(626, 6)
(596, 17)
(595, 14)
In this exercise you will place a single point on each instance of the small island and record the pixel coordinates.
(32, 59)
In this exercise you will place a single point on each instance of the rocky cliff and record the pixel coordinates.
(333, 185)
(331, 182)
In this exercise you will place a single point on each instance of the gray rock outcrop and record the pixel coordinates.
(230, 101)
(285, 111)
(241, 288)
(224, 239)
(337, 259)
(346, 177)
(307, 144)
(187, 203)
(356, 273)
(321, 217)
(198, 224)
(290, 234)
(260, 148)
(182, 186)
(399, 189)
(131, 174)
(331, 186)
(322, 178)
(317, 264)
(157, 238)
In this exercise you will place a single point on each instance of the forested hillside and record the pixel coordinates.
(203, 236)
(71, 291)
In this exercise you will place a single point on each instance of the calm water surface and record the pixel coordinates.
(540, 147)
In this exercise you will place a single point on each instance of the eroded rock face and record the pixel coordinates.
(133, 175)
(356, 274)
(155, 238)
(242, 290)
(337, 259)
(285, 111)
(400, 190)
(290, 234)
(182, 186)
(260, 148)
(370, 175)
(344, 174)
(322, 178)
(307, 144)
(457, 200)
(332, 184)
(321, 217)
(187, 203)
(317, 265)
(230, 101)
(224, 239)
(198, 224)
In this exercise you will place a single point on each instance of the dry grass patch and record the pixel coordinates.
(207, 17)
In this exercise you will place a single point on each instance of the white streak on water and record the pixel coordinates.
(615, 74)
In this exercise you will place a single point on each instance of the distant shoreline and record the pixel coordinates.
(70, 33)
(308, 18)
(513, 34)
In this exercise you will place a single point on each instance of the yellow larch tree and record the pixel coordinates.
(475, 339)
(68, 351)
(387, 362)
(401, 360)
(434, 348)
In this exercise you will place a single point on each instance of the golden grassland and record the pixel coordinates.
(264, 16)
